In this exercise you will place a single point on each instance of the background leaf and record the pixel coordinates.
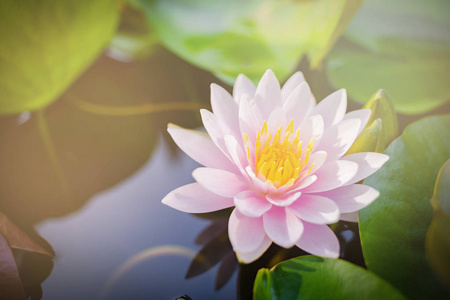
(402, 49)
(438, 236)
(311, 277)
(232, 37)
(46, 45)
(393, 228)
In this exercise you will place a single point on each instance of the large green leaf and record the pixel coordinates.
(438, 236)
(402, 49)
(232, 37)
(393, 228)
(46, 45)
(311, 277)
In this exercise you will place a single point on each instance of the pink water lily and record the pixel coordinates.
(279, 159)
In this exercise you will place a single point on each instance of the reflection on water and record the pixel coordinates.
(118, 224)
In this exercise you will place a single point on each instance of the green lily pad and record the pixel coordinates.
(232, 37)
(311, 277)
(402, 49)
(393, 228)
(46, 45)
(438, 236)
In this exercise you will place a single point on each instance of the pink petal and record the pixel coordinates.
(299, 103)
(225, 109)
(220, 182)
(243, 85)
(319, 240)
(199, 146)
(304, 183)
(276, 119)
(284, 199)
(368, 163)
(350, 217)
(193, 198)
(293, 82)
(332, 175)
(246, 234)
(311, 127)
(258, 184)
(268, 94)
(236, 152)
(282, 226)
(337, 139)
(214, 129)
(353, 197)
(362, 114)
(315, 209)
(248, 257)
(332, 108)
(250, 118)
(251, 203)
(318, 159)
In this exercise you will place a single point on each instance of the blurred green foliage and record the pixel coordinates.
(438, 235)
(46, 45)
(232, 37)
(403, 48)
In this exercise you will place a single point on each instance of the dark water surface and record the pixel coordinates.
(125, 244)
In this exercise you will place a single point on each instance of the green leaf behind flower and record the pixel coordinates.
(311, 277)
(393, 228)
(404, 49)
(46, 45)
(438, 236)
(232, 37)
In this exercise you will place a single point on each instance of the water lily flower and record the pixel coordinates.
(279, 159)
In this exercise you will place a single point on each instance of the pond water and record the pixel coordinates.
(126, 244)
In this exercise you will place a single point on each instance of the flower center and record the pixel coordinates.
(280, 159)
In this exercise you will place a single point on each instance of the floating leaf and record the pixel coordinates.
(402, 49)
(438, 236)
(232, 37)
(46, 45)
(311, 277)
(393, 228)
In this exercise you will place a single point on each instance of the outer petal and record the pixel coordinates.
(353, 197)
(283, 200)
(282, 226)
(250, 118)
(299, 103)
(236, 153)
(243, 85)
(311, 127)
(199, 146)
(332, 175)
(225, 109)
(246, 234)
(248, 257)
(362, 114)
(319, 240)
(214, 129)
(220, 182)
(337, 139)
(268, 94)
(251, 203)
(332, 108)
(293, 82)
(193, 198)
(315, 209)
(368, 163)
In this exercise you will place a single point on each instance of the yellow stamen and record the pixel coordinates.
(279, 160)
